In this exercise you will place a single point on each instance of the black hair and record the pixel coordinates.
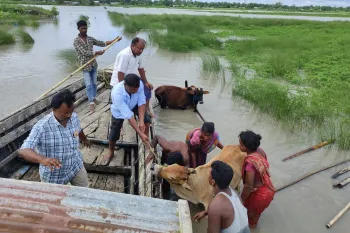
(250, 140)
(208, 127)
(132, 80)
(64, 96)
(136, 40)
(81, 23)
(222, 173)
(175, 158)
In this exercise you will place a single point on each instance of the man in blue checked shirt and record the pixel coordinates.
(56, 138)
(128, 99)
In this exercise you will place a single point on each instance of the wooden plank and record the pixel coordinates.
(8, 159)
(93, 117)
(102, 129)
(90, 154)
(118, 158)
(91, 128)
(142, 170)
(108, 170)
(132, 177)
(21, 172)
(9, 137)
(32, 174)
(184, 216)
(92, 177)
(32, 108)
(115, 183)
(130, 134)
(103, 97)
(82, 95)
(101, 182)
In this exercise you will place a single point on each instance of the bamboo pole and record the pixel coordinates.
(338, 215)
(341, 172)
(310, 174)
(200, 115)
(80, 68)
(315, 147)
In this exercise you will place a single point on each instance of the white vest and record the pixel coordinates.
(240, 222)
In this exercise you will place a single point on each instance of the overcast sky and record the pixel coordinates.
(343, 3)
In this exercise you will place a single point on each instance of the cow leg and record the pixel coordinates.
(163, 100)
(195, 108)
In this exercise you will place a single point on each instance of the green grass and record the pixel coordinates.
(302, 73)
(6, 38)
(25, 37)
(69, 57)
(211, 63)
(84, 17)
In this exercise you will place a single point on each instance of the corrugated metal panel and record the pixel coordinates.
(37, 207)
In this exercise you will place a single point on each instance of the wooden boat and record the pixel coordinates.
(125, 173)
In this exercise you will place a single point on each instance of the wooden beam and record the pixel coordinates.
(126, 170)
(132, 178)
(8, 159)
(118, 143)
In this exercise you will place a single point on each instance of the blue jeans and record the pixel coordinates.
(90, 78)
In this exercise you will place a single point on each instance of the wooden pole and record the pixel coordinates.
(315, 147)
(200, 115)
(338, 215)
(341, 172)
(80, 68)
(310, 174)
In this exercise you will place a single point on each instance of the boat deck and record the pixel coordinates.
(112, 176)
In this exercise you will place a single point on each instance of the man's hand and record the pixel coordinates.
(52, 163)
(99, 52)
(144, 138)
(200, 215)
(148, 85)
(87, 143)
(142, 127)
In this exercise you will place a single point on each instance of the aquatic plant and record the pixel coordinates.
(84, 17)
(211, 63)
(6, 38)
(69, 57)
(25, 37)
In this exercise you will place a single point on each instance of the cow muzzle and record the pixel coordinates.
(155, 169)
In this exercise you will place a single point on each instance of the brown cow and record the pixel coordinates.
(179, 98)
(193, 184)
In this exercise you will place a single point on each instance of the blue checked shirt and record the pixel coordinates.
(52, 140)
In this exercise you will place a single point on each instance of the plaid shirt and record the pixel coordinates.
(85, 50)
(52, 140)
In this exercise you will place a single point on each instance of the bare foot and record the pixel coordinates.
(92, 107)
(108, 157)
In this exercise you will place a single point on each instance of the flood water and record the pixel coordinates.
(306, 207)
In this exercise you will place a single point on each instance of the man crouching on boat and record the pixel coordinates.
(128, 99)
(56, 138)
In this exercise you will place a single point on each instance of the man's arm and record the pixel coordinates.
(27, 150)
(120, 76)
(141, 102)
(220, 145)
(214, 217)
(143, 74)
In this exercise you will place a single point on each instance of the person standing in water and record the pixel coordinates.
(226, 214)
(200, 142)
(258, 190)
(83, 45)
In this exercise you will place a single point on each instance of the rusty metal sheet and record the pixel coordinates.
(39, 207)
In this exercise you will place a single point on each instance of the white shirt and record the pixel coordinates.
(123, 103)
(127, 63)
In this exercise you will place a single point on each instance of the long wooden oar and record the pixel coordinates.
(315, 147)
(310, 174)
(338, 215)
(80, 68)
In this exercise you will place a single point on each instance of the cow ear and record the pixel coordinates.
(186, 186)
(206, 92)
(190, 91)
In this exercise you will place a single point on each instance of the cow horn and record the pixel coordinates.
(186, 83)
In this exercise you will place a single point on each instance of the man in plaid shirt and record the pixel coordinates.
(56, 138)
(83, 45)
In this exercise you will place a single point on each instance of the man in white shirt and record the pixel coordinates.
(128, 99)
(128, 62)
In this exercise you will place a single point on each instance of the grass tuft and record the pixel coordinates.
(25, 37)
(6, 38)
(69, 57)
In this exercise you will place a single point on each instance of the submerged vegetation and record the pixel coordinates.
(25, 37)
(302, 76)
(6, 38)
(84, 17)
(69, 57)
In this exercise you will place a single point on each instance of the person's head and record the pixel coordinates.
(82, 27)
(249, 141)
(175, 158)
(207, 130)
(137, 46)
(220, 175)
(132, 83)
(62, 105)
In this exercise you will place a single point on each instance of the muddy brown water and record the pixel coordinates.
(27, 72)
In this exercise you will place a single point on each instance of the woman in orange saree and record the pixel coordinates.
(258, 190)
